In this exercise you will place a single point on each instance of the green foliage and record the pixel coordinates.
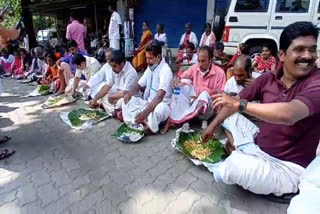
(43, 22)
(11, 21)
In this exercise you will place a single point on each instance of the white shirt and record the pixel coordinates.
(40, 68)
(123, 81)
(161, 38)
(193, 39)
(100, 76)
(92, 67)
(115, 21)
(9, 60)
(153, 81)
(208, 41)
(194, 60)
(232, 86)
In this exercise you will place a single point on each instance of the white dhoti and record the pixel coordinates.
(183, 110)
(136, 105)
(253, 169)
(111, 107)
(115, 44)
(308, 200)
(81, 84)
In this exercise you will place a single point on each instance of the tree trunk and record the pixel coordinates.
(26, 16)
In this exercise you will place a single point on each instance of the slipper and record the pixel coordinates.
(5, 139)
(5, 153)
(283, 199)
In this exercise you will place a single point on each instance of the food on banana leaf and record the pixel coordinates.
(55, 100)
(129, 134)
(80, 116)
(211, 152)
(197, 150)
(124, 128)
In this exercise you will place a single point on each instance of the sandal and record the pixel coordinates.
(283, 199)
(5, 153)
(4, 139)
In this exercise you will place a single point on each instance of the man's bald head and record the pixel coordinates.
(242, 69)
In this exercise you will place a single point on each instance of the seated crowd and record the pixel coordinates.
(283, 96)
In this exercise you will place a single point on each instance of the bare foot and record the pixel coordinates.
(167, 127)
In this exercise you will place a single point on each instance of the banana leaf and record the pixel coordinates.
(78, 117)
(44, 89)
(41, 90)
(128, 134)
(218, 152)
(60, 100)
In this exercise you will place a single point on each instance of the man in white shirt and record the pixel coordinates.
(97, 81)
(115, 27)
(242, 75)
(188, 37)
(118, 82)
(86, 66)
(161, 38)
(153, 108)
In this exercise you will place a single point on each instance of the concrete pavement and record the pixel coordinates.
(58, 170)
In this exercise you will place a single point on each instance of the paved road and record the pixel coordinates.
(58, 170)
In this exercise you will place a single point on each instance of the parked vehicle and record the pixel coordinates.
(257, 21)
(48, 36)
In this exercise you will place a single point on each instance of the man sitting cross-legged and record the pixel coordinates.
(87, 67)
(196, 86)
(271, 158)
(97, 81)
(67, 69)
(153, 108)
(118, 82)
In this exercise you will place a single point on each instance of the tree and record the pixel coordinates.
(12, 20)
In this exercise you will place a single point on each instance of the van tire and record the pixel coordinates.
(218, 24)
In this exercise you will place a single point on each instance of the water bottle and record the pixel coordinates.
(175, 95)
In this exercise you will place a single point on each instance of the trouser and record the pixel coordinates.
(115, 44)
(253, 169)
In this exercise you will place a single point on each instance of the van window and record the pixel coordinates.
(292, 6)
(319, 8)
(252, 6)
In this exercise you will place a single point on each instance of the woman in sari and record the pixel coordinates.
(139, 61)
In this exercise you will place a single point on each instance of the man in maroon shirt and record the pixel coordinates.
(272, 158)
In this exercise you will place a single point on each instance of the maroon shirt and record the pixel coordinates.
(296, 143)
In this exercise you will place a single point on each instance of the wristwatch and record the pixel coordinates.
(243, 105)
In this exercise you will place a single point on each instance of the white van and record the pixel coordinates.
(48, 36)
(257, 21)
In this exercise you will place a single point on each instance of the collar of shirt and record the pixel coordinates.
(212, 71)
(158, 67)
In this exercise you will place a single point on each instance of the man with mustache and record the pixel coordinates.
(242, 75)
(153, 108)
(270, 159)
